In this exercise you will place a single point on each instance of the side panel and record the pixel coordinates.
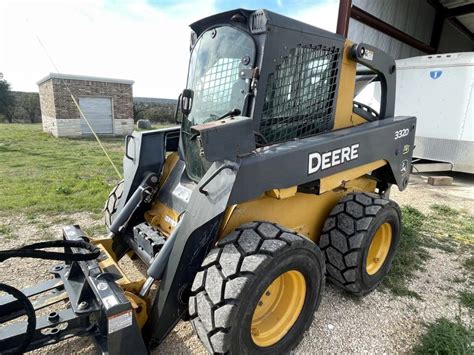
(145, 152)
(304, 213)
(195, 238)
(310, 159)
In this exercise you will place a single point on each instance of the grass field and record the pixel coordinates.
(40, 173)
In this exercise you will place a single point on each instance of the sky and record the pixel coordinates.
(142, 40)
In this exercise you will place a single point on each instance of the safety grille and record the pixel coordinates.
(300, 94)
(214, 90)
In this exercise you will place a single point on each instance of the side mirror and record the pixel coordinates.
(178, 119)
(187, 101)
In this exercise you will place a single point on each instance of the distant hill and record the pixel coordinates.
(154, 100)
(154, 109)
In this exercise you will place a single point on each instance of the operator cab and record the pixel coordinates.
(278, 72)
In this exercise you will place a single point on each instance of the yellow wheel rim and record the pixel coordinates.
(278, 308)
(379, 248)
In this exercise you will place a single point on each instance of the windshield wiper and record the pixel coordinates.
(234, 112)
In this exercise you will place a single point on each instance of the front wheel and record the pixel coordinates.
(257, 290)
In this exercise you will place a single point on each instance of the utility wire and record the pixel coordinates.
(80, 111)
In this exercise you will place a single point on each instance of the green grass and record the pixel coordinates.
(448, 225)
(443, 228)
(411, 254)
(469, 264)
(459, 280)
(446, 337)
(444, 210)
(43, 174)
(467, 299)
(6, 231)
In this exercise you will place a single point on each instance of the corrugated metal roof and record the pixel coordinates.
(455, 3)
(468, 19)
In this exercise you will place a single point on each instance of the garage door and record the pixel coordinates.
(98, 111)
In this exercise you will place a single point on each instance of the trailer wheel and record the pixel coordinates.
(257, 290)
(111, 204)
(359, 241)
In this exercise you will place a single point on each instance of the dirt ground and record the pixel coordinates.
(460, 195)
(377, 323)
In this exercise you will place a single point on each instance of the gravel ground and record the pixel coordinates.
(377, 323)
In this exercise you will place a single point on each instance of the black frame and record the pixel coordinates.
(94, 299)
(275, 35)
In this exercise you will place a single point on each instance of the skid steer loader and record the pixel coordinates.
(274, 181)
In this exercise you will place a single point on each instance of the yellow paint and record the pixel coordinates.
(278, 309)
(357, 120)
(304, 213)
(379, 248)
(345, 93)
(108, 261)
(169, 165)
(131, 288)
(105, 243)
(340, 179)
(162, 217)
(282, 193)
(159, 215)
(139, 306)
(344, 116)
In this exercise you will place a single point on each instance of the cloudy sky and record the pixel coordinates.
(145, 41)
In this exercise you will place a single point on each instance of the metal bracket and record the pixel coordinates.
(384, 65)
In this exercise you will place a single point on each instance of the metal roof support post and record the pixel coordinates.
(343, 17)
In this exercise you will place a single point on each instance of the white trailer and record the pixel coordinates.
(439, 90)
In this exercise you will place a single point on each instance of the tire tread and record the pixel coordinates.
(240, 253)
(343, 234)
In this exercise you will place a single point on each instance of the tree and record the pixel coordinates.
(7, 101)
(30, 103)
(138, 108)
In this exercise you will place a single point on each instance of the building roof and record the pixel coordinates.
(83, 77)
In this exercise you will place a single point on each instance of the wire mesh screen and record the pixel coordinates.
(214, 91)
(300, 95)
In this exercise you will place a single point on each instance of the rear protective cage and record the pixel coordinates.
(301, 94)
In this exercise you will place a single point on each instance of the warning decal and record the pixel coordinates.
(120, 321)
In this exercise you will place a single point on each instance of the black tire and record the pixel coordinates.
(111, 204)
(347, 236)
(237, 272)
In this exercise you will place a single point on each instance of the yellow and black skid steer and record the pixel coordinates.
(274, 181)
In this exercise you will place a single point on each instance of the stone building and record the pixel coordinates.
(106, 103)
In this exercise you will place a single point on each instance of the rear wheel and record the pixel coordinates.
(359, 241)
(257, 290)
(111, 204)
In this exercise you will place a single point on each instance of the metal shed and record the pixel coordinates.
(409, 28)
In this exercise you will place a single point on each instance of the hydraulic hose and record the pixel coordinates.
(31, 251)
